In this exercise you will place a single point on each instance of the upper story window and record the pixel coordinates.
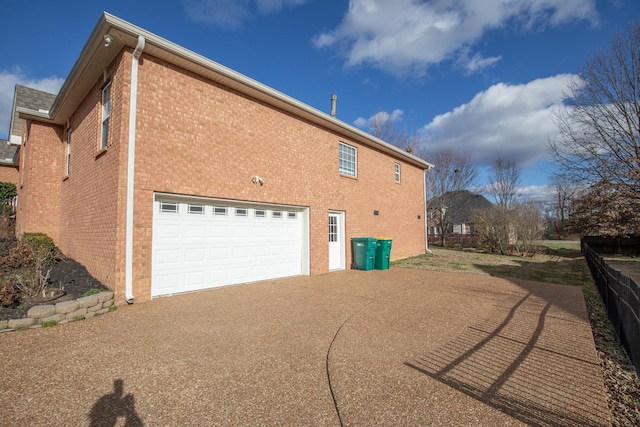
(348, 160)
(67, 167)
(397, 172)
(106, 112)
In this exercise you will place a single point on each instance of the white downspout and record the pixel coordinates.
(426, 223)
(131, 152)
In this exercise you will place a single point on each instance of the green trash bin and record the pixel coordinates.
(383, 253)
(364, 252)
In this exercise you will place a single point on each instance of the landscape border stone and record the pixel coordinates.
(62, 312)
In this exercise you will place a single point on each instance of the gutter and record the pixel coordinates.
(131, 152)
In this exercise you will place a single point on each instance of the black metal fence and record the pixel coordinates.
(620, 295)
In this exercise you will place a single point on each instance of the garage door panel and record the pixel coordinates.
(168, 231)
(168, 256)
(194, 279)
(219, 254)
(218, 247)
(196, 232)
(166, 283)
(195, 255)
(220, 231)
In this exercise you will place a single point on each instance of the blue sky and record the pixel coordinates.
(479, 77)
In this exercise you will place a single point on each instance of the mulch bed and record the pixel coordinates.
(68, 280)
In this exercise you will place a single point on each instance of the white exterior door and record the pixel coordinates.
(336, 241)
(201, 243)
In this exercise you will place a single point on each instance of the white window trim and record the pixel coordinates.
(67, 167)
(397, 172)
(347, 171)
(220, 210)
(195, 209)
(174, 210)
(106, 113)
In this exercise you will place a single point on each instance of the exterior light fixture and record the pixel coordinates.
(107, 40)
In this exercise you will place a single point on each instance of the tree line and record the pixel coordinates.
(595, 188)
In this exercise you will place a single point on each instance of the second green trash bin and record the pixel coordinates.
(364, 251)
(383, 253)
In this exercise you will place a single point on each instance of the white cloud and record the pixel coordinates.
(379, 117)
(231, 14)
(8, 81)
(475, 63)
(407, 36)
(511, 121)
(538, 193)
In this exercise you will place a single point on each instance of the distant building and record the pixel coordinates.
(461, 206)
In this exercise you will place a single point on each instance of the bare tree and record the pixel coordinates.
(384, 127)
(527, 228)
(599, 130)
(453, 173)
(504, 183)
(564, 192)
(503, 224)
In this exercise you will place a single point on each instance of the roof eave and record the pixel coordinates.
(95, 57)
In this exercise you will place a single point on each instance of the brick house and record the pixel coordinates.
(23, 98)
(163, 172)
(459, 207)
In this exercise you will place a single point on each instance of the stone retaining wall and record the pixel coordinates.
(62, 312)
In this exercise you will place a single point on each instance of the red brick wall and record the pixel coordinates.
(92, 222)
(197, 138)
(39, 183)
(9, 174)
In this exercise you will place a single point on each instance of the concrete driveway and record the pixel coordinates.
(396, 347)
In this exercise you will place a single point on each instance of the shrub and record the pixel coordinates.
(18, 257)
(33, 279)
(9, 295)
(42, 248)
(7, 193)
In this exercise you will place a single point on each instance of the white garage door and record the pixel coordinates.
(200, 244)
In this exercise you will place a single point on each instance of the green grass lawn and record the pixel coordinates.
(558, 262)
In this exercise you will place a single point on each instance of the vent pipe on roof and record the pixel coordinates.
(334, 98)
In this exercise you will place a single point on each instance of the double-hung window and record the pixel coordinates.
(106, 112)
(397, 172)
(348, 160)
(67, 167)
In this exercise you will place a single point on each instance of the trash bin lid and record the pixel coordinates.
(384, 238)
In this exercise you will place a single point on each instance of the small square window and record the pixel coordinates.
(397, 172)
(196, 209)
(347, 159)
(292, 215)
(242, 212)
(276, 214)
(220, 210)
(260, 213)
(169, 207)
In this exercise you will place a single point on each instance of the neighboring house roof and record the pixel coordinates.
(99, 52)
(463, 204)
(26, 98)
(7, 152)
